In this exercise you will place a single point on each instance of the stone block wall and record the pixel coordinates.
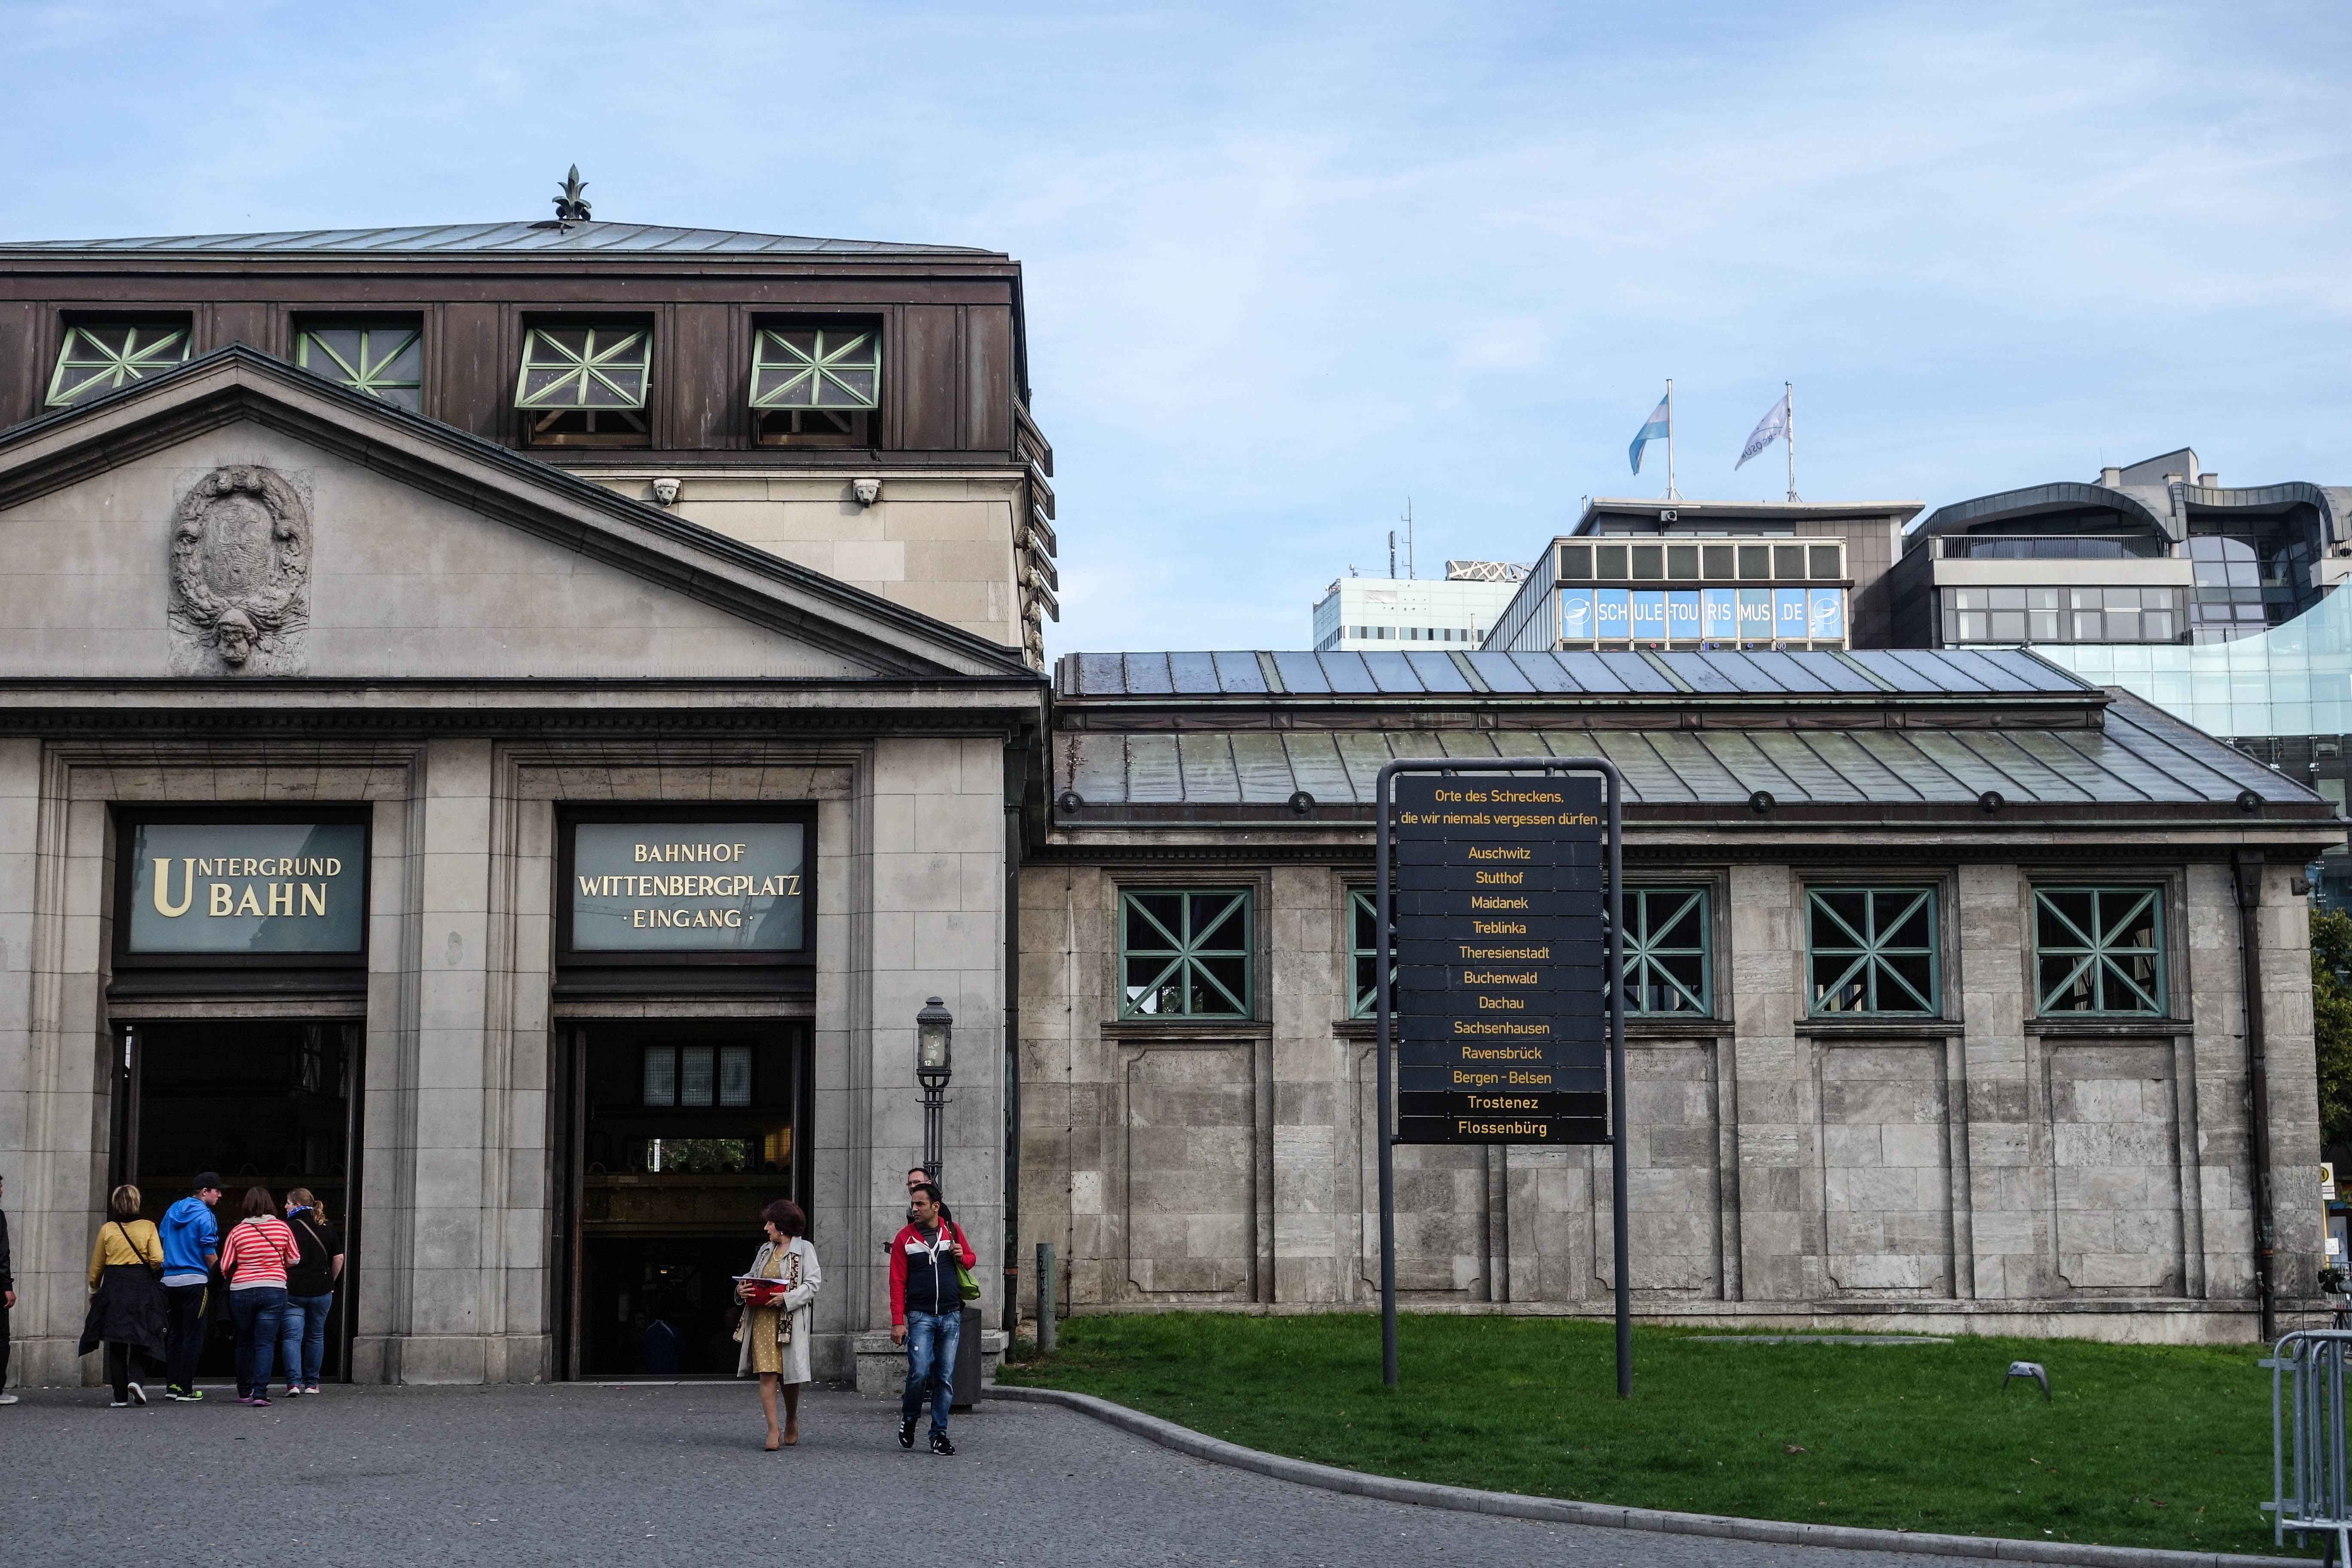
(1987, 1168)
(945, 545)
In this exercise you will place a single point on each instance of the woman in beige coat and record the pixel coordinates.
(776, 1336)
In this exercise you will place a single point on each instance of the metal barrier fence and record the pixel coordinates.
(2310, 1481)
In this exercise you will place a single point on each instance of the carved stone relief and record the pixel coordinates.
(240, 574)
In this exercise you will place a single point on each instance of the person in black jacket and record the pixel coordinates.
(8, 1305)
(309, 1291)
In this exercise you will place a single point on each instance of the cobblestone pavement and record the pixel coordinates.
(580, 1474)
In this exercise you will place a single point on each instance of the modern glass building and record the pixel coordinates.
(2215, 603)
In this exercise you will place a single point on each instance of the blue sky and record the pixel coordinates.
(1288, 265)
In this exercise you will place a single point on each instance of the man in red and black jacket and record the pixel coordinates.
(926, 1311)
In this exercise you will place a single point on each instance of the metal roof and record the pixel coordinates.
(2065, 495)
(1901, 672)
(445, 238)
(2142, 756)
(1717, 512)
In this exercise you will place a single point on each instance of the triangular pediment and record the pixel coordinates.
(240, 519)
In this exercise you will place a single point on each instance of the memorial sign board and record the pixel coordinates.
(1491, 883)
(1502, 1000)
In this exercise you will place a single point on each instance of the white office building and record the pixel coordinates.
(1459, 609)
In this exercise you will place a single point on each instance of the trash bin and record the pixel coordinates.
(967, 1366)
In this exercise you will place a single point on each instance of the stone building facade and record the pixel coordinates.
(506, 727)
(531, 820)
(2007, 1153)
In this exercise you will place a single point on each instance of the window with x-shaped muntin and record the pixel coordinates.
(1871, 951)
(1185, 954)
(2099, 950)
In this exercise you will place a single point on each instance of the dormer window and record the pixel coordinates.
(383, 359)
(585, 386)
(815, 385)
(107, 355)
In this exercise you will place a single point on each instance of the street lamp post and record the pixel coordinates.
(934, 1065)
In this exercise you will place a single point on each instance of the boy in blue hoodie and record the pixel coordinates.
(191, 1247)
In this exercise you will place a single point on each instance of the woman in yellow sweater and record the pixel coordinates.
(126, 1302)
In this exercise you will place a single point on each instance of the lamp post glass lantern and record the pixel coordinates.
(934, 1065)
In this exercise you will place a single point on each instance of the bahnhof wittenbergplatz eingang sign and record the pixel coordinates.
(1500, 944)
(247, 886)
(730, 887)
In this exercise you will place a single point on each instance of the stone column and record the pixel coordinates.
(53, 1097)
(2283, 938)
(1310, 986)
(2215, 988)
(1778, 1195)
(2006, 1199)
(454, 1294)
(936, 914)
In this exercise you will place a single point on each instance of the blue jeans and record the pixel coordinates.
(930, 1365)
(303, 1343)
(260, 1315)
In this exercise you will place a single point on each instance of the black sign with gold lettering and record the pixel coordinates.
(1501, 996)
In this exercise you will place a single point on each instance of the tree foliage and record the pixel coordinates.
(2331, 1008)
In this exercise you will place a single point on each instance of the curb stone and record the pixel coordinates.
(1561, 1511)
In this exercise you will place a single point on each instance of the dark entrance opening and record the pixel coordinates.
(678, 1134)
(267, 1104)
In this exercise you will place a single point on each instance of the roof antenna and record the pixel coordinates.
(571, 206)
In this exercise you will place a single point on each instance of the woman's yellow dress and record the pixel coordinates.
(760, 1323)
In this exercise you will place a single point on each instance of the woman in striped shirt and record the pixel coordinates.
(254, 1261)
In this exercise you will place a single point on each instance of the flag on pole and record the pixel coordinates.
(1658, 428)
(1772, 428)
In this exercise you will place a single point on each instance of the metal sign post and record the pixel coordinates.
(1495, 963)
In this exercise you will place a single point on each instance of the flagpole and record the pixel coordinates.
(1670, 439)
(1788, 392)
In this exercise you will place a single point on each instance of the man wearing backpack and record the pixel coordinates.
(927, 1263)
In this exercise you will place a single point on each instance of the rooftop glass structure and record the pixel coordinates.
(2293, 680)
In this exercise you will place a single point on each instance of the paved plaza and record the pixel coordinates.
(580, 1473)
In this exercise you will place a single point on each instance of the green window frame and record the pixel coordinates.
(1185, 953)
(1364, 955)
(2099, 950)
(816, 367)
(1668, 954)
(597, 368)
(384, 360)
(1873, 951)
(99, 357)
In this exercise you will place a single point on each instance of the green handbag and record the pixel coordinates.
(964, 1281)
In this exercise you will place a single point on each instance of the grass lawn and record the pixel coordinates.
(2149, 1446)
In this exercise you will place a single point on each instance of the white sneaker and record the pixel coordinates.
(7, 1399)
(138, 1394)
(118, 1405)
